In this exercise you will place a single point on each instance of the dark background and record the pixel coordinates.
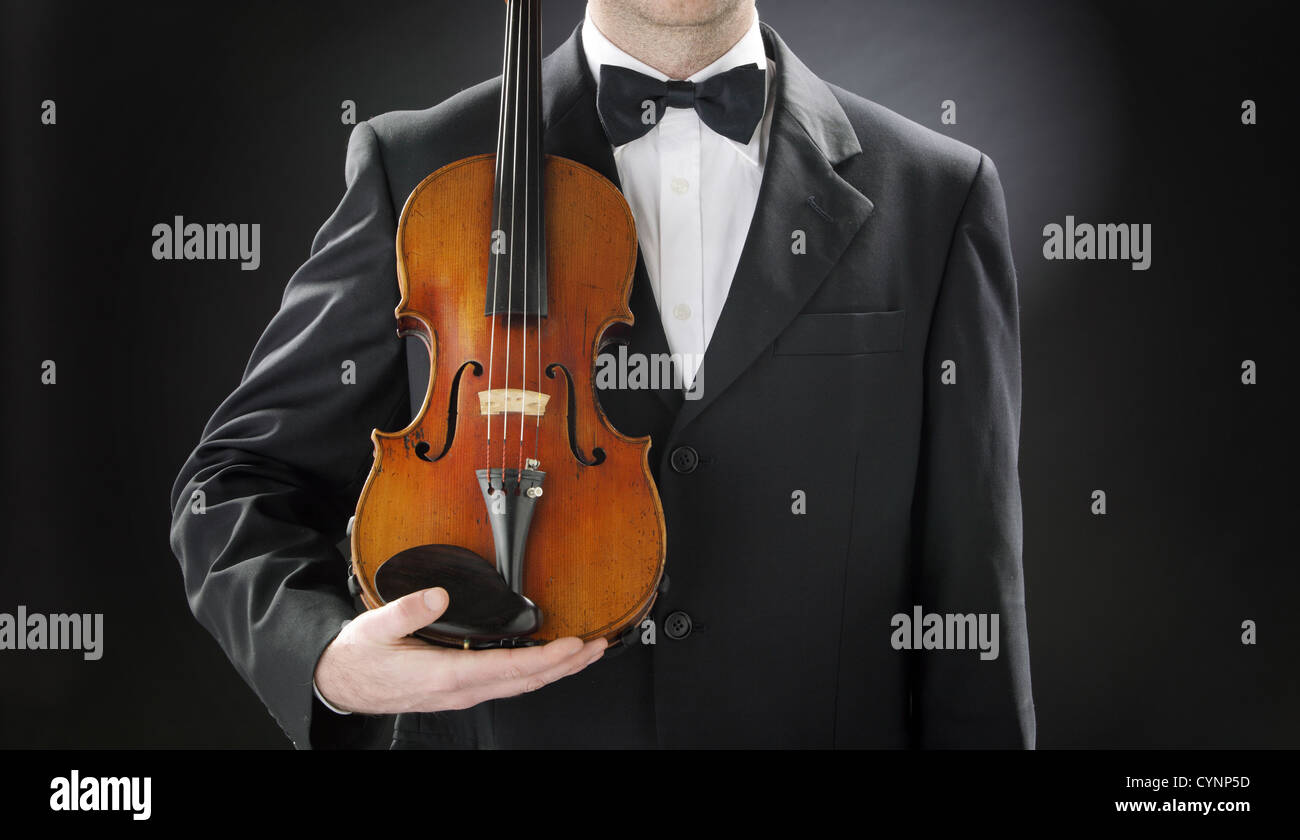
(1111, 112)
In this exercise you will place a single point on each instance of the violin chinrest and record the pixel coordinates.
(483, 610)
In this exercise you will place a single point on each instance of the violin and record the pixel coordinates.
(510, 488)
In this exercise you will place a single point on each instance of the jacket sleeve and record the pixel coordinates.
(263, 501)
(967, 511)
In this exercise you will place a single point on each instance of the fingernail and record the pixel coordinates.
(436, 599)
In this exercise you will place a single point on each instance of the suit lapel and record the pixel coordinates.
(573, 131)
(800, 191)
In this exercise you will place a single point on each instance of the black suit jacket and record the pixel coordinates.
(823, 376)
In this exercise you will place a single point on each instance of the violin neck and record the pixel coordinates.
(517, 265)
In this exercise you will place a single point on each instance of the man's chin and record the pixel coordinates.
(684, 13)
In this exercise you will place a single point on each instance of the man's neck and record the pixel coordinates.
(674, 50)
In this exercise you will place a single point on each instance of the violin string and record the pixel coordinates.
(541, 240)
(528, 181)
(496, 263)
(510, 275)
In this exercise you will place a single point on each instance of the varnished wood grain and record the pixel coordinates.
(596, 550)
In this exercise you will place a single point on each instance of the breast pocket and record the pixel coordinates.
(842, 333)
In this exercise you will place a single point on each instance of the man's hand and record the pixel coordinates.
(375, 667)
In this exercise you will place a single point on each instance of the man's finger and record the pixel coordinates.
(590, 652)
(399, 619)
(486, 667)
(585, 655)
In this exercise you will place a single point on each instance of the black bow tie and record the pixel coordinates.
(730, 103)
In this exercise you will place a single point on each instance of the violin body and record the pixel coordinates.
(594, 553)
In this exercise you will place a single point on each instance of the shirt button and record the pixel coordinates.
(678, 625)
(680, 185)
(684, 460)
(681, 312)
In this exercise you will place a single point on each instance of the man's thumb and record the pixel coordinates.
(409, 613)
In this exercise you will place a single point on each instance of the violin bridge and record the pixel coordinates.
(512, 401)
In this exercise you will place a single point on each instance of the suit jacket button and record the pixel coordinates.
(677, 625)
(684, 460)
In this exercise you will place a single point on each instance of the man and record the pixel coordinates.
(851, 460)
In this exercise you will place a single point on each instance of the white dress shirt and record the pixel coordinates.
(692, 193)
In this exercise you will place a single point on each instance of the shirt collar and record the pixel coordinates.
(748, 50)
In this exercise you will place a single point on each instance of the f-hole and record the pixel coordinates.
(598, 454)
(422, 448)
